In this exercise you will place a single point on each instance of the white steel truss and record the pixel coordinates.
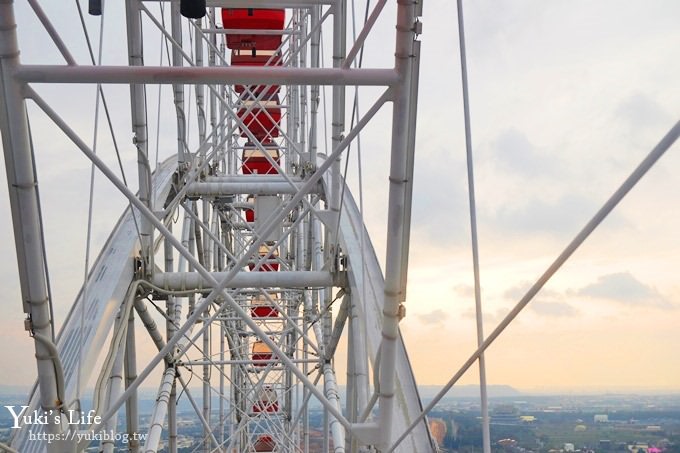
(270, 266)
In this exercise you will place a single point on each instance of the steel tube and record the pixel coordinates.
(177, 87)
(150, 324)
(131, 408)
(331, 391)
(212, 189)
(399, 200)
(160, 410)
(25, 207)
(244, 362)
(139, 125)
(113, 393)
(338, 110)
(200, 89)
(175, 281)
(206, 386)
(479, 318)
(234, 179)
(239, 31)
(171, 307)
(229, 75)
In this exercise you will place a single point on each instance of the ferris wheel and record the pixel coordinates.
(241, 259)
(240, 282)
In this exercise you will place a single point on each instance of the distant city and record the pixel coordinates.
(520, 422)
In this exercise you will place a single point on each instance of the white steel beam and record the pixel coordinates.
(231, 75)
(139, 126)
(160, 411)
(28, 232)
(399, 204)
(333, 395)
(175, 281)
(131, 407)
(212, 189)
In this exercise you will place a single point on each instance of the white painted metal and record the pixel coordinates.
(217, 245)
(108, 283)
(370, 282)
(399, 201)
(486, 429)
(28, 233)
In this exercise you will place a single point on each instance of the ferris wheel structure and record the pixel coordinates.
(242, 258)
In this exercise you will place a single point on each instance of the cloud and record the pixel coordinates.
(433, 317)
(490, 316)
(565, 215)
(546, 303)
(464, 290)
(624, 288)
(554, 309)
(641, 111)
(440, 198)
(516, 154)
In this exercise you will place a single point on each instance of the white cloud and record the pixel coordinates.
(554, 309)
(624, 288)
(517, 155)
(547, 302)
(436, 316)
(463, 290)
(560, 217)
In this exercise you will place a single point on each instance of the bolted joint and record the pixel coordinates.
(28, 325)
(139, 267)
(401, 312)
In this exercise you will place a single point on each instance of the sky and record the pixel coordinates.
(567, 97)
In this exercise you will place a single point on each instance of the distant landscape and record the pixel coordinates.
(521, 422)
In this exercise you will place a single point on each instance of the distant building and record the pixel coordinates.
(569, 447)
(601, 418)
(580, 428)
(505, 414)
(527, 419)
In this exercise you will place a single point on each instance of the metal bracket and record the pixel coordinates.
(368, 433)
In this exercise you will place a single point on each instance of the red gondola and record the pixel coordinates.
(262, 120)
(261, 308)
(261, 353)
(270, 264)
(250, 213)
(253, 19)
(252, 57)
(255, 160)
(267, 400)
(264, 443)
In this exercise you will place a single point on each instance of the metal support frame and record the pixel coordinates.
(140, 136)
(26, 218)
(205, 234)
(399, 200)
